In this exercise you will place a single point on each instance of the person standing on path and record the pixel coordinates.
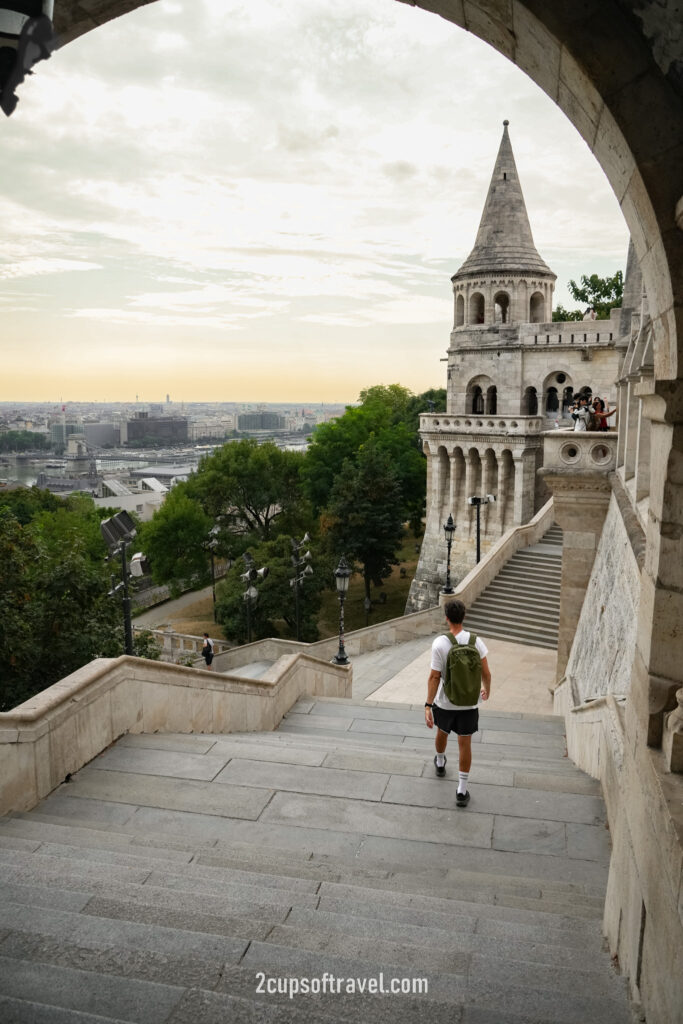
(448, 717)
(207, 651)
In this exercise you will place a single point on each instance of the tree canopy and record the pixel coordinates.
(55, 613)
(599, 293)
(367, 520)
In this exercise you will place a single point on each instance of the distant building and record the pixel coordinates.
(98, 435)
(151, 429)
(260, 421)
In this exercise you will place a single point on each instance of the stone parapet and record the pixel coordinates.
(643, 919)
(437, 424)
(56, 732)
(578, 453)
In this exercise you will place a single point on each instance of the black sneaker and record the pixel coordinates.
(442, 770)
(462, 799)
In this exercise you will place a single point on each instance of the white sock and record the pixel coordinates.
(440, 759)
(462, 781)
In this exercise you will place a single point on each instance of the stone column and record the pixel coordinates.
(581, 500)
(453, 488)
(658, 662)
(525, 485)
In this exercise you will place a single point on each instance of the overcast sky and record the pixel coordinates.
(268, 206)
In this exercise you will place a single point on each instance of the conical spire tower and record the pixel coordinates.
(504, 279)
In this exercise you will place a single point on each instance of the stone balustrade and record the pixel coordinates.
(57, 731)
(580, 451)
(446, 423)
(174, 645)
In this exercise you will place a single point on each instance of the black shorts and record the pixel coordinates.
(208, 658)
(463, 723)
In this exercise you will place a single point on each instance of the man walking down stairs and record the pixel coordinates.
(297, 875)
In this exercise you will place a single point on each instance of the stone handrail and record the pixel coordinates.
(57, 731)
(473, 423)
(579, 451)
(174, 644)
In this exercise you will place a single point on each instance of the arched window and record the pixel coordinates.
(459, 311)
(502, 307)
(492, 400)
(530, 404)
(476, 308)
(552, 403)
(537, 308)
(477, 401)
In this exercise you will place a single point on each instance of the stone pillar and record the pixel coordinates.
(658, 662)
(642, 461)
(630, 427)
(451, 510)
(581, 500)
(525, 486)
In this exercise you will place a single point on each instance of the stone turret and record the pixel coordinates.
(512, 374)
(503, 280)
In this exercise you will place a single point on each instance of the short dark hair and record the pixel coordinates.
(455, 612)
(206, 634)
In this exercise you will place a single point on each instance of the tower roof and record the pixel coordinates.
(504, 243)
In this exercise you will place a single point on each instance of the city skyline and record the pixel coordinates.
(268, 206)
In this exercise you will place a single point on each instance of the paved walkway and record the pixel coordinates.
(161, 613)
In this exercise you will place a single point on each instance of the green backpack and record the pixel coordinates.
(462, 679)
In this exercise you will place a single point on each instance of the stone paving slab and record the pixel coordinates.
(181, 742)
(22, 1011)
(292, 778)
(42, 896)
(146, 761)
(283, 753)
(527, 803)
(383, 950)
(104, 813)
(341, 815)
(374, 761)
(91, 931)
(172, 794)
(582, 784)
(260, 833)
(144, 965)
(202, 1007)
(124, 998)
(411, 852)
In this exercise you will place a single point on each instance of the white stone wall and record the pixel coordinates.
(601, 658)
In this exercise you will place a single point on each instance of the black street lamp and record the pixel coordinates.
(211, 546)
(342, 575)
(302, 568)
(118, 532)
(251, 577)
(478, 502)
(449, 530)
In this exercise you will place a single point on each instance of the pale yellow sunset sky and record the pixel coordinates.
(265, 201)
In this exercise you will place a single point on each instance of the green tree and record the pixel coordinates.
(274, 613)
(367, 523)
(390, 416)
(254, 488)
(560, 314)
(599, 293)
(175, 539)
(55, 613)
(23, 441)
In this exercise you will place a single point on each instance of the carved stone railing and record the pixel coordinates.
(579, 452)
(445, 423)
(175, 646)
(56, 732)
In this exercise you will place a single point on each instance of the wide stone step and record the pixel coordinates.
(548, 642)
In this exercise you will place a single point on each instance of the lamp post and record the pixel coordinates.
(211, 546)
(302, 568)
(478, 502)
(117, 532)
(342, 575)
(449, 530)
(251, 577)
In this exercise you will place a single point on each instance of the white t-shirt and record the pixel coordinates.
(440, 649)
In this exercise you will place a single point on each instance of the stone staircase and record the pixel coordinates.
(522, 604)
(176, 877)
